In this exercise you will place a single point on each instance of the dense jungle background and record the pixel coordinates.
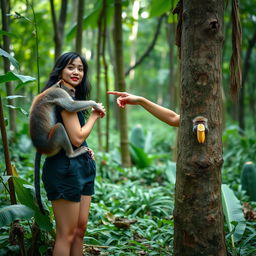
(132, 210)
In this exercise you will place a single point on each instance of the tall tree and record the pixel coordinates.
(198, 214)
(246, 68)
(5, 8)
(79, 32)
(105, 65)
(58, 25)
(98, 74)
(120, 81)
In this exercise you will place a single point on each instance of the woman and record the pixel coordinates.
(164, 114)
(69, 182)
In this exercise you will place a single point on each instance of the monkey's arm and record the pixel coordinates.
(76, 133)
(75, 106)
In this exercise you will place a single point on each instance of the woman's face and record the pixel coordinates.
(73, 73)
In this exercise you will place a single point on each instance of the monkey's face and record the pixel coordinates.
(73, 73)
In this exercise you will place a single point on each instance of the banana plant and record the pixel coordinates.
(233, 214)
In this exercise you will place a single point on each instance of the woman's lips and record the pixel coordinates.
(74, 78)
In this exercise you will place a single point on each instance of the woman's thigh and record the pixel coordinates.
(84, 211)
(66, 215)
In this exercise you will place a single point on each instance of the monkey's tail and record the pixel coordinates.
(37, 181)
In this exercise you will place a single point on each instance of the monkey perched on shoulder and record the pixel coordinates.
(48, 136)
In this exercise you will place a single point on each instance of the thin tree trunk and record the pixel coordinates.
(58, 26)
(118, 39)
(246, 68)
(198, 214)
(79, 34)
(105, 65)
(98, 72)
(133, 36)
(17, 232)
(5, 7)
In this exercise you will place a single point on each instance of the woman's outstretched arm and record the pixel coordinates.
(164, 114)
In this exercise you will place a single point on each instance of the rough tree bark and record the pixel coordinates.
(198, 215)
(118, 45)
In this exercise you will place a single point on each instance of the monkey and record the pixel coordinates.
(200, 126)
(47, 135)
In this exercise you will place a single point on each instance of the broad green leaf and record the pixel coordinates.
(171, 171)
(10, 58)
(14, 97)
(233, 213)
(9, 214)
(11, 76)
(23, 111)
(26, 195)
(140, 158)
(5, 178)
(158, 7)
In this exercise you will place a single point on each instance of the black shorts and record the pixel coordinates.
(69, 178)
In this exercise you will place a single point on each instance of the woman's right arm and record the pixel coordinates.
(76, 133)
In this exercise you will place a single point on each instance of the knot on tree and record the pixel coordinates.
(212, 26)
(202, 79)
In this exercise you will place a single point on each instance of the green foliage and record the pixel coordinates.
(141, 147)
(91, 20)
(233, 214)
(9, 214)
(11, 76)
(10, 58)
(248, 180)
(131, 193)
(158, 7)
(138, 137)
(26, 195)
(237, 150)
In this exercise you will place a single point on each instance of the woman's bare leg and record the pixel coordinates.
(77, 244)
(66, 216)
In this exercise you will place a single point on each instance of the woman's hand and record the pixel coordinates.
(99, 113)
(125, 98)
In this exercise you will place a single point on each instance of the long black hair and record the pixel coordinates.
(84, 88)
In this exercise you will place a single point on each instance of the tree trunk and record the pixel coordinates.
(170, 31)
(105, 65)
(246, 68)
(198, 214)
(118, 44)
(58, 26)
(98, 76)
(79, 34)
(5, 7)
